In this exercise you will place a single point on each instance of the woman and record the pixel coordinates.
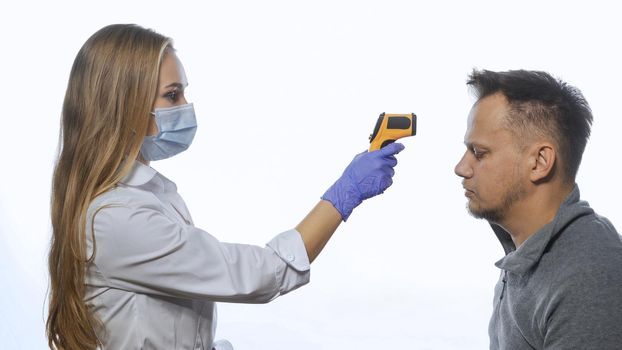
(128, 268)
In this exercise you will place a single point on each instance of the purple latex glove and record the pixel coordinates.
(368, 175)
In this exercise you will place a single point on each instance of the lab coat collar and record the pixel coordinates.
(139, 175)
(147, 178)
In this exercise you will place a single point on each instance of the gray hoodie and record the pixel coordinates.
(562, 288)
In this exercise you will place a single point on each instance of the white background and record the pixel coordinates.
(286, 93)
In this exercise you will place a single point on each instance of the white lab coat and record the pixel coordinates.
(155, 276)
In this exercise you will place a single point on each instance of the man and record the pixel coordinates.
(561, 277)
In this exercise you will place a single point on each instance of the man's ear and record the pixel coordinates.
(543, 162)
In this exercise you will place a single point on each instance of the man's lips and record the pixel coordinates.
(468, 192)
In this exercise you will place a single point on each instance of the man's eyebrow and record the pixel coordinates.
(474, 144)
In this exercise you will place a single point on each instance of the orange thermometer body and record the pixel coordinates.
(391, 127)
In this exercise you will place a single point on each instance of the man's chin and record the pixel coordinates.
(473, 210)
(489, 215)
(474, 213)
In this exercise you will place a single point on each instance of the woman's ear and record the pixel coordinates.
(543, 162)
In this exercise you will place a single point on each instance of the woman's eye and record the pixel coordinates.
(172, 95)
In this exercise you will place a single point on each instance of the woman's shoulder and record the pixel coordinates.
(123, 196)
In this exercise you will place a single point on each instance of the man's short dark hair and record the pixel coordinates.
(544, 105)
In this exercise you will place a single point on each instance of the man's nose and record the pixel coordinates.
(463, 169)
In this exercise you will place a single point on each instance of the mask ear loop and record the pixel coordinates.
(126, 155)
(140, 155)
(155, 121)
(131, 141)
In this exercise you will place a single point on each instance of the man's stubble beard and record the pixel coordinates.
(498, 214)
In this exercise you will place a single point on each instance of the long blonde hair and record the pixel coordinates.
(111, 90)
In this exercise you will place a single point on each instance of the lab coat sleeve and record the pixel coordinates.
(142, 250)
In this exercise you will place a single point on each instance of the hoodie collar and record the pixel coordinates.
(530, 252)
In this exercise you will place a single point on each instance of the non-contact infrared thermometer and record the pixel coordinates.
(391, 127)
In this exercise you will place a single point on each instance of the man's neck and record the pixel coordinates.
(533, 212)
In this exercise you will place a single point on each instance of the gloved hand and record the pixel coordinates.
(368, 175)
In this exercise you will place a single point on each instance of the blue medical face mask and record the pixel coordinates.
(176, 128)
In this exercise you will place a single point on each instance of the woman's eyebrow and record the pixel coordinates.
(177, 85)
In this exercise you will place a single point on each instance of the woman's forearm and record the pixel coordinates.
(317, 227)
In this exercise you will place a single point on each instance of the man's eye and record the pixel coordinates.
(477, 153)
